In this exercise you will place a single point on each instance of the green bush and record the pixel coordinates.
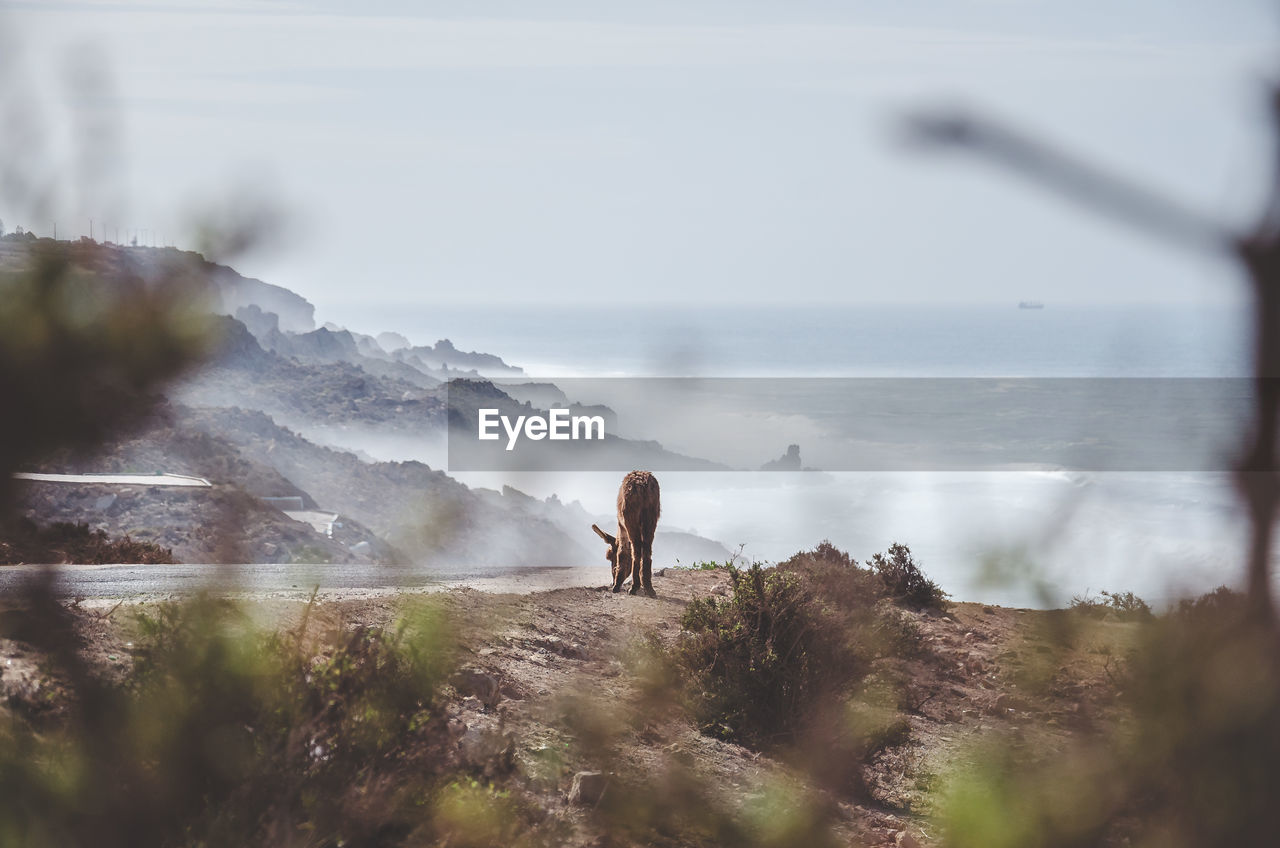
(706, 565)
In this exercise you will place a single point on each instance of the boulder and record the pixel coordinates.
(588, 788)
(484, 686)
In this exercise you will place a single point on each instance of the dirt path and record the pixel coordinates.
(552, 652)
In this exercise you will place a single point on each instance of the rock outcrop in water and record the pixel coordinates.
(789, 461)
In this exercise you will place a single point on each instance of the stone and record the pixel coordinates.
(487, 749)
(904, 839)
(588, 788)
(485, 687)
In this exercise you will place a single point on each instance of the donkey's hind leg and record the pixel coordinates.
(624, 565)
(635, 568)
(644, 569)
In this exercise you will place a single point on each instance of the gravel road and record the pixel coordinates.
(150, 582)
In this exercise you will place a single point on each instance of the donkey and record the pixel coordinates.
(631, 553)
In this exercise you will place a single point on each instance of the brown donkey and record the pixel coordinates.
(631, 553)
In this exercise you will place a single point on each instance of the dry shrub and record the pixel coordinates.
(903, 580)
(765, 657)
(837, 576)
(1124, 606)
(63, 542)
(783, 663)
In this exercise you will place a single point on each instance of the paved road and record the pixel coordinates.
(159, 479)
(144, 582)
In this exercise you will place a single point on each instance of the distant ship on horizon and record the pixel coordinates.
(1030, 304)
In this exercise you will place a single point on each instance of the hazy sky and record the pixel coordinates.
(651, 150)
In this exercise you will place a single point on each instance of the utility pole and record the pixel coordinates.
(90, 229)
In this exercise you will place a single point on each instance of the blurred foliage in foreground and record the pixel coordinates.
(86, 341)
(226, 734)
(1192, 762)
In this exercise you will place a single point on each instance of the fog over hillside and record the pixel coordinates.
(240, 421)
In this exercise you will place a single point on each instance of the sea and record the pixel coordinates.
(823, 340)
(1029, 537)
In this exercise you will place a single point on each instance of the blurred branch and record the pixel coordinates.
(1071, 177)
(1259, 252)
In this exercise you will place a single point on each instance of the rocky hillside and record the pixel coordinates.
(322, 381)
(223, 524)
(241, 373)
(425, 512)
(270, 376)
(230, 522)
(228, 290)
